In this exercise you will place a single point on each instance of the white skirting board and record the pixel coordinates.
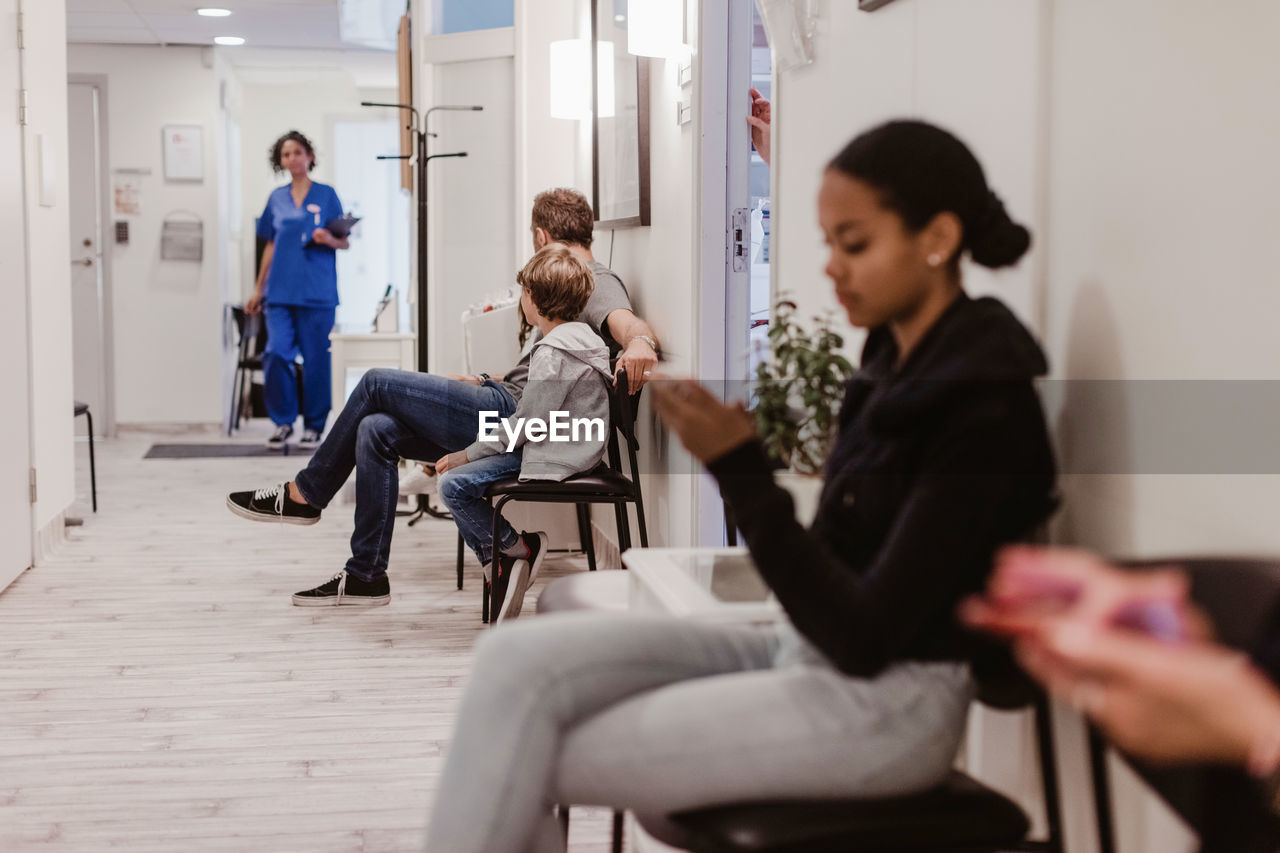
(48, 538)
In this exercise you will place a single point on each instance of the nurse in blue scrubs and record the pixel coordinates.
(297, 287)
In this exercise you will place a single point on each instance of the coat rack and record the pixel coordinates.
(421, 159)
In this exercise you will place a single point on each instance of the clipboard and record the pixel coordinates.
(339, 227)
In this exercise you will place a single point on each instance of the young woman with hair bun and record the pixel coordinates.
(941, 457)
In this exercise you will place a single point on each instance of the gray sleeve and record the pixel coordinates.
(609, 295)
(543, 393)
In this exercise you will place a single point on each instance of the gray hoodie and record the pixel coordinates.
(568, 372)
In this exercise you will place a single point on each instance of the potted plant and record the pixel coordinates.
(798, 390)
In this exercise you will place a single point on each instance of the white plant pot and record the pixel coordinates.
(805, 490)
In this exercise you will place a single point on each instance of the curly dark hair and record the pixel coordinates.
(298, 137)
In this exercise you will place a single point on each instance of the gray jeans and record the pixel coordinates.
(659, 715)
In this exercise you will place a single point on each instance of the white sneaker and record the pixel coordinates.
(415, 481)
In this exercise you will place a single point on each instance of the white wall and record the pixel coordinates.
(1162, 218)
(166, 316)
(975, 68)
(48, 271)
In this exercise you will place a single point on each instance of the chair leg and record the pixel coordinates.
(585, 539)
(459, 561)
(235, 403)
(93, 469)
(1049, 773)
(1101, 791)
(623, 522)
(617, 832)
(644, 530)
(484, 603)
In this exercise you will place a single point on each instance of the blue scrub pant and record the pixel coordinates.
(293, 329)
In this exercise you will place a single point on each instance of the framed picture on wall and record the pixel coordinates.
(620, 122)
(872, 5)
(183, 152)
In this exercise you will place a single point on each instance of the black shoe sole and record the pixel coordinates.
(272, 518)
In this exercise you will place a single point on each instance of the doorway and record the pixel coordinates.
(91, 376)
(733, 208)
(15, 462)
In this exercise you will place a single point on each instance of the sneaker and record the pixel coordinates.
(343, 590)
(272, 504)
(522, 573)
(416, 481)
(310, 439)
(279, 437)
(502, 584)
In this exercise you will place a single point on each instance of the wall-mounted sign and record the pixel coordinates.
(183, 152)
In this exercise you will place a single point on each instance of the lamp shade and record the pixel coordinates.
(571, 79)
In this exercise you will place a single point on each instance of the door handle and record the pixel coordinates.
(84, 262)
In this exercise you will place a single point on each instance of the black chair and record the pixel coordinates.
(1241, 597)
(606, 484)
(252, 332)
(83, 409)
(959, 816)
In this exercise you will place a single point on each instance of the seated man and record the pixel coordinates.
(395, 413)
(568, 378)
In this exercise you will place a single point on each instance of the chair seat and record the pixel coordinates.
(963, 812)
(602, 482)
(600, 591)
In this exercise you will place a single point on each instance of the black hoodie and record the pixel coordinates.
(935, 466)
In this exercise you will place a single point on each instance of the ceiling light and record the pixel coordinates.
(230, 41)
(211, 12)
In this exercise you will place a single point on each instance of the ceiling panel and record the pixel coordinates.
(261, 23)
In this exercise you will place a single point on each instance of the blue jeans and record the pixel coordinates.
(390, 415)
(293, 329)
(462, 490)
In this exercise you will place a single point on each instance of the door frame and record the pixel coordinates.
(723, 162)
(106, 242)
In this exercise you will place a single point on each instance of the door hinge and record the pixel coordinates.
(22, 107)
(32, 479)
(20, 44)
(740, 239)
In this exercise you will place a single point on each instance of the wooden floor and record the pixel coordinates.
(158, 692)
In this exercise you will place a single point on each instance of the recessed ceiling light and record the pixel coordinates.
(211, 12)
(228, 40)
(619, 18)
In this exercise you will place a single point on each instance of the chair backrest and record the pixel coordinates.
(252, 332)
(622, 417)
(1240, 594)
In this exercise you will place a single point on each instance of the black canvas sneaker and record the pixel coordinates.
(522, 573)
(272, 504)
(343, 590)
(310, 439)
(279, 437)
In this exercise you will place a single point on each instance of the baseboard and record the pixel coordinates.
(49, 538)
(607, 554)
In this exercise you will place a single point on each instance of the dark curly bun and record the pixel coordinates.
(995, 240)
(921, 170)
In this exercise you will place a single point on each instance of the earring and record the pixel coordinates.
(935, 259)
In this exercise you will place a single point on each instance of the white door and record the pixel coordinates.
(15, 461)
(87, 302)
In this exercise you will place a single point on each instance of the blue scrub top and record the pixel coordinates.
(298, 275)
